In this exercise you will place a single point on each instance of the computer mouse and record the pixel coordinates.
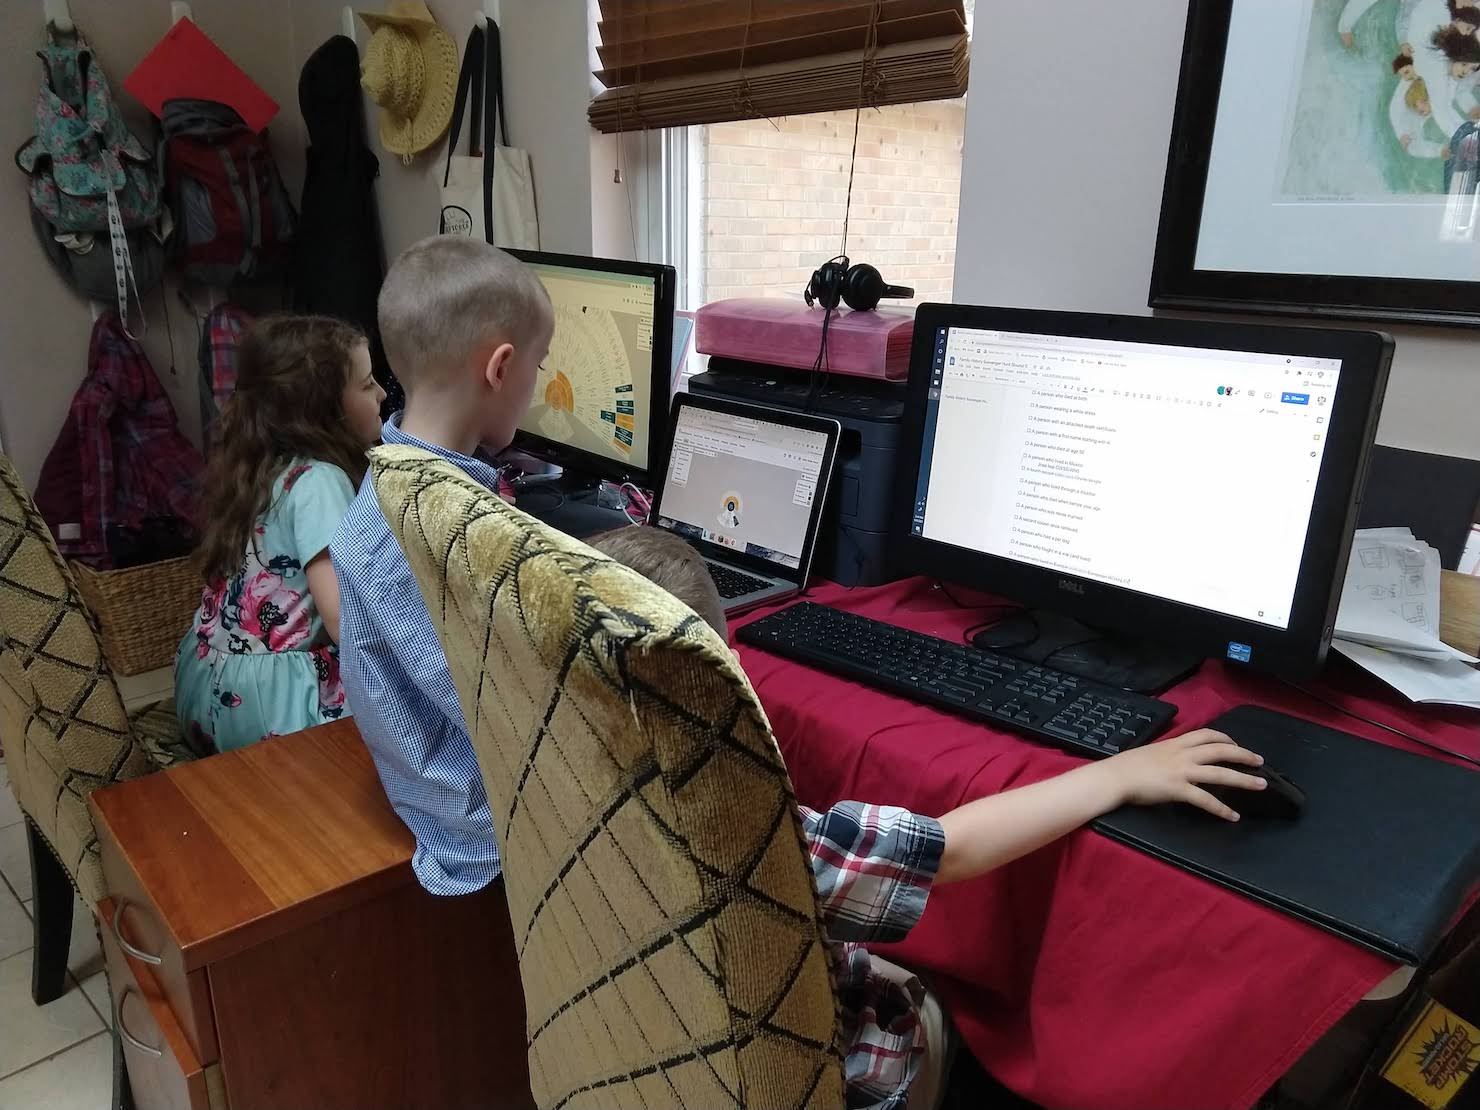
(1281, 798)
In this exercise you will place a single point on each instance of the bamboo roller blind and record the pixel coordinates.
(672, 63)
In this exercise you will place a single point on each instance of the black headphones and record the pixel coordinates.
(860, 287)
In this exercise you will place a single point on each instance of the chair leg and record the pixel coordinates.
(51, 921)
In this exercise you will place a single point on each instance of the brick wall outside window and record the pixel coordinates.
(773, 198)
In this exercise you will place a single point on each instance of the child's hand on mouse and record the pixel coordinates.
(1180, 770)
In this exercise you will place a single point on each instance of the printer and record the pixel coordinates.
(761, 351)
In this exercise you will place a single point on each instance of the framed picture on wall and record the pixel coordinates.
(1325, 160)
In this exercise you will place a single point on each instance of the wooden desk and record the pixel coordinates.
(268, 944)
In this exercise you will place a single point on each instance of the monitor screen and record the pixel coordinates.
(1184, 473)
(594, 393)
(742, 483)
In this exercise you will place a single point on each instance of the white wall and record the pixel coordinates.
(545, 83)
(544, 52)
(1061, 190)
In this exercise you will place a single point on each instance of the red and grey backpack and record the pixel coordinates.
(233, 218)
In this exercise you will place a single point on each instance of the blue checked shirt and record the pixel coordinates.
(397, 683)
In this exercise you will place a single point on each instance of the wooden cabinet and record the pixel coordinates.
(268, 945)
(163, 1069)
(132, 923)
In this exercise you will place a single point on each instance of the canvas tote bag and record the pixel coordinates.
(487, 193)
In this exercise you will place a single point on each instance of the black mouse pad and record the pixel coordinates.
(1384, 852)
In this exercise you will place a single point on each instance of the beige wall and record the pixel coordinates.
(548, 85)
(545, 84)
(774, 195)
(44, 327)
(1049, 226)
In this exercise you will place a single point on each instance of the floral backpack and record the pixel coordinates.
(89, 173)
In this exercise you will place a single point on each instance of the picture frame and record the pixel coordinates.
(1308, 173)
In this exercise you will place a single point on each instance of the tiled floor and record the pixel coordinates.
(57, 1056)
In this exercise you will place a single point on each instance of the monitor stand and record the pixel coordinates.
(569, 503)
(1054, 640)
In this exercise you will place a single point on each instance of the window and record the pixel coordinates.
(751, 208)
(771, 197)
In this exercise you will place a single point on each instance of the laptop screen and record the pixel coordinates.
(742, 483)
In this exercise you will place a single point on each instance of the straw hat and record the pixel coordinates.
(410, 70)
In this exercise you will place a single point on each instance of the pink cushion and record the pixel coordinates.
(784, 332)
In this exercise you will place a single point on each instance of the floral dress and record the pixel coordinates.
(257, 661)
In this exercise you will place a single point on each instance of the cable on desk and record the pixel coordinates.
(1052, 654)
(817, 386)
(542, 490)
(1044, 662)
(952, 598)
(859, 558)
(1005, 610)
(632, 496)
(998, 610)
(1420, 741)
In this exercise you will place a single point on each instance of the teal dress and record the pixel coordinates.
(257, 661)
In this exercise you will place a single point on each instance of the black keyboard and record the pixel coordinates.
(734, 583)
(1060, 709)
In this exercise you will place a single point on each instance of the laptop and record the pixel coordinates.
(745, 485)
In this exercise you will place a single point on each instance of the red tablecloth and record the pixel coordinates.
(1087, 974)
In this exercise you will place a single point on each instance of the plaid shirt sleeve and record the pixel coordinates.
(874, 866)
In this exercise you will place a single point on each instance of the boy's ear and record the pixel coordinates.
(497, 367)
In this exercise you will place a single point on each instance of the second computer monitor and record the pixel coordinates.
(1190, 482)
(600, 405)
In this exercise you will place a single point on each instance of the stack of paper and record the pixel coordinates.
(1388, 622)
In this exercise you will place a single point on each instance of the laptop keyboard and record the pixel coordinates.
(734, 583)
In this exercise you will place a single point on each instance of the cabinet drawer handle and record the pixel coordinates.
(136, 953)
(123, 1029)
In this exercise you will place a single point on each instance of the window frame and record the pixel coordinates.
(665, 186)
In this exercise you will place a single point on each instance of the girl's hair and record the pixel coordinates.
(1456, 45)
(1402, 60)
(1417, 93)
(289, 404)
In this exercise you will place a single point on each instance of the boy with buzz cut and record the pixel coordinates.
(875, 865)
(465, 328)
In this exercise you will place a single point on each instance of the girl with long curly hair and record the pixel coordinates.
(289, 452)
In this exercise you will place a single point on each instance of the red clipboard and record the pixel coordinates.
(185, 63)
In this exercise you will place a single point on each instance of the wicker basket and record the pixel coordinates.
(143, 612)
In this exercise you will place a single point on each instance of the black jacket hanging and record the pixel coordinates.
(340, 262)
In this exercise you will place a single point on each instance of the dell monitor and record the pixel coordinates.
(1165, 483)
(600, 408)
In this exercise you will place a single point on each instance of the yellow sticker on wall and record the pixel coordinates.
(1439, 1053)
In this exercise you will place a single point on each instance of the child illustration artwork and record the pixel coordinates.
(729, 512)
(1353, 11)
(1409, 112)
(1382, 90)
